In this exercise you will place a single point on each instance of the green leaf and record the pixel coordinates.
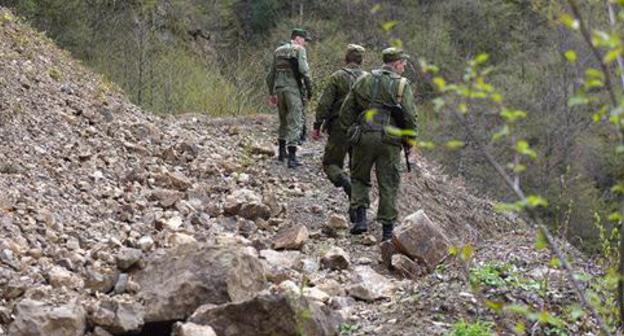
(517, 168)
(540, 241)
(593, 83)
(512, 115)
(397, 43)
(495, 306)
(536, 201)
(570, 55)
(612, 55)
(496, 97)
(522, 147)
(375, 9)
(618, 188)
(554, 262)
(425, 145)
(569, 21)
(467, 252)
(481, 58)
(577, 100)
(453, 251)
(519, 328)
(503, 132)
(615, 217)
(455, 144)
(592, 73)
(389, 25)
(370, 114)
(439, 82)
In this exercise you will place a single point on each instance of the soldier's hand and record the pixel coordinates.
(272, 102)
(316, 135)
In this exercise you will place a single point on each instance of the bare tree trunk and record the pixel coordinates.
(301, 13)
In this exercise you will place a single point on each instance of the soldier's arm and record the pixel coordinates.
(304, 70)
(326, 102)
(409, 106)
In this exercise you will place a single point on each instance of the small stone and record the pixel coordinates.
(292, 238)
(145, 243)
(418, 238)
(60, 277)
(122, 284)
(173, 223)
(369, 285)
(335, 259)
(316, 294)
(118, 315)
(368, 240)
(335, 225)
(407, 268)
(192, 329)
(178, 238)
(127, 257)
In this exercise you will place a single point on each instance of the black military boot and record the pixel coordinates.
(292, 157)
(360, 225)
(387, 231)
(281, 156)
(352, 217)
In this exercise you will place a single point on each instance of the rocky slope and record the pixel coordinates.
(114, 221)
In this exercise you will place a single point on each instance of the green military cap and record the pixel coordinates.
(393, 54)
(300, 32)
(355, 48)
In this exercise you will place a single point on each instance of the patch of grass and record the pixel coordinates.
(471, 329)
(499, 275)
(55, 74)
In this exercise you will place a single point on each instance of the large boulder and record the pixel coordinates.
(175, 283)
(37, 318)
(270, 315)
(419, 238)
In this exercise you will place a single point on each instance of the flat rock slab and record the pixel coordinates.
(270, 315)
(419, 238)
(176, 283)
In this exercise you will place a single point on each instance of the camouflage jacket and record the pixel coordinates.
(335, 92)
(281, 75)
(359, 99)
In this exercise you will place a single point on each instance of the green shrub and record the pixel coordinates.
(471, 329)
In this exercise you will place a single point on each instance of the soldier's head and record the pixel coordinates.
(299, 36)
(355, 54)
(395, 58)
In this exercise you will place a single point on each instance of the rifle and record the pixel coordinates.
(406, 151)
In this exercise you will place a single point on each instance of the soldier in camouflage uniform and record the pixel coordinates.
(289, 73)
(337, 88)
(370, 116)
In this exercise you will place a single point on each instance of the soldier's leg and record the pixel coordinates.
(333, 158)
(388, 178)
(282, 109)
(363, 158)
(293, 117)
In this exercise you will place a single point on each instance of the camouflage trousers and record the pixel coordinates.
(372, 151)
(335, 153)
(290, 109)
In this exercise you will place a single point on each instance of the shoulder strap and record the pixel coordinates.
(402, 85)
